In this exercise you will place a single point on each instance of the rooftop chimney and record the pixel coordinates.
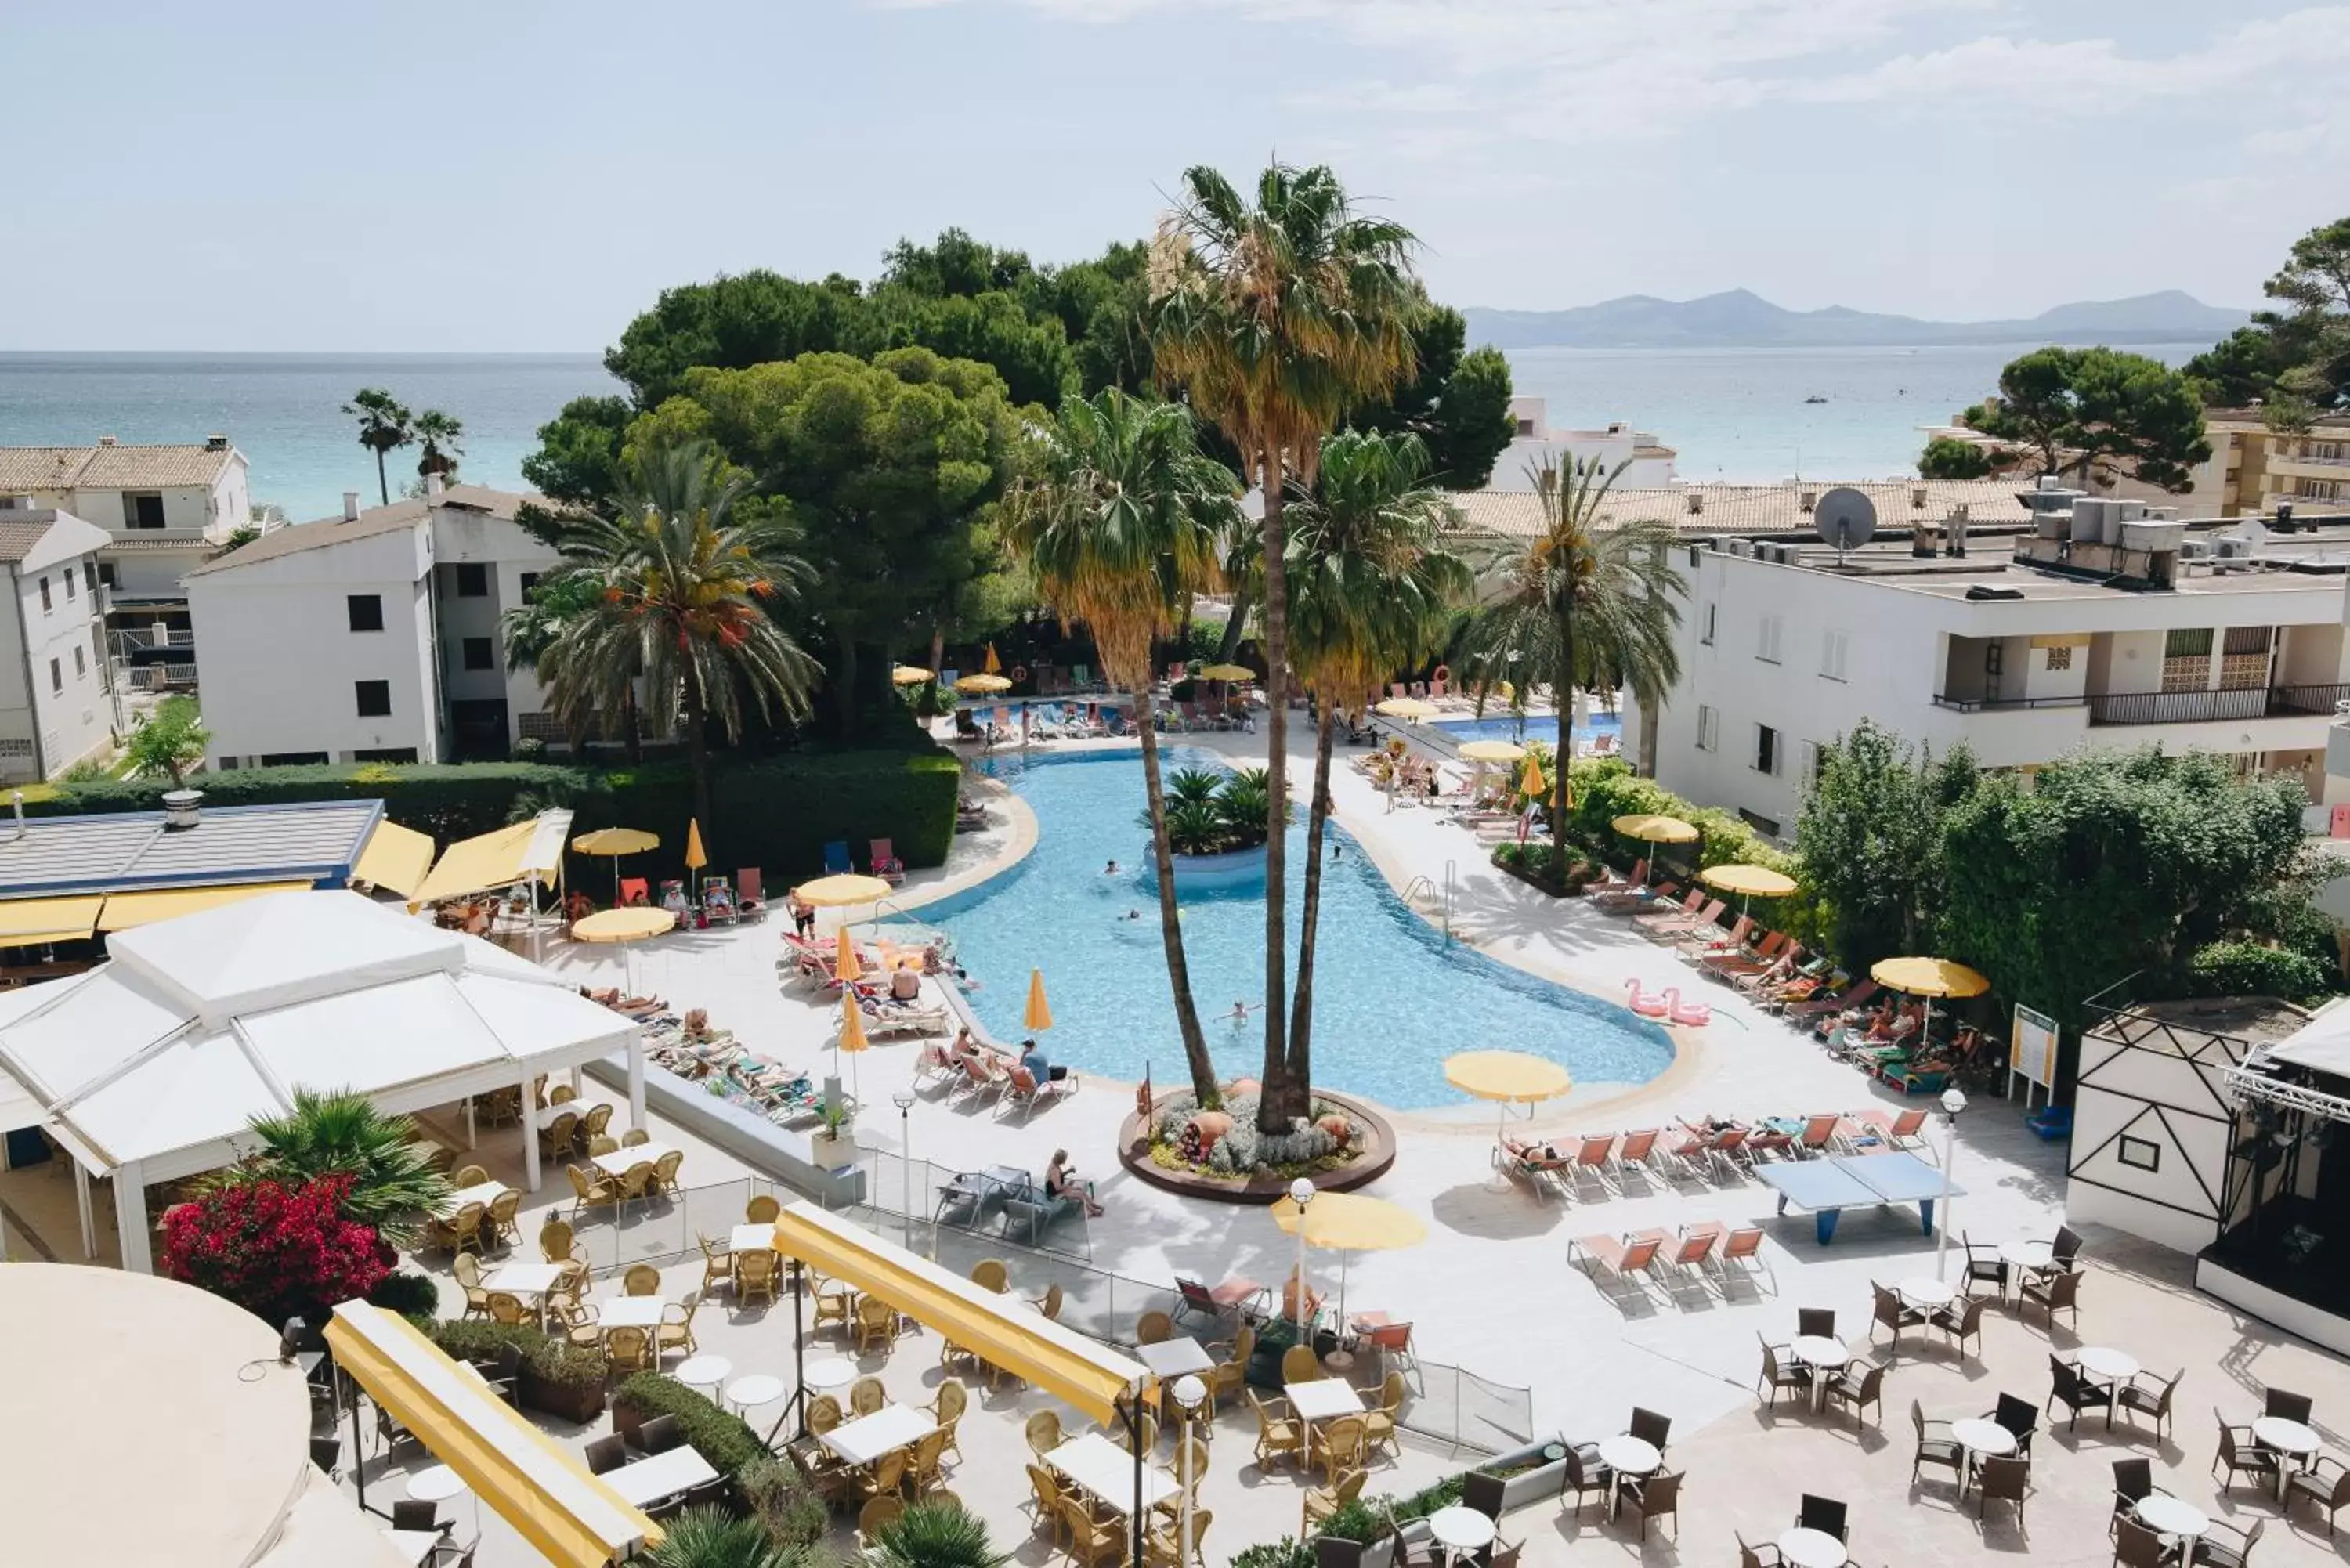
(106, 441)
(1695, 500)
(1807, 499)
(216, 443)
(1917, 496)
(432, 484)
(180, 809)
(350, 505)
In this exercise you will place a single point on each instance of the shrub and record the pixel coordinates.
(278, 1250)
(937, 1535)
(2251, 968)
(726, 1440)
(551, 1360)
(704, 1537)
(793, 1512)
(1286, 1552)
(411, 1295)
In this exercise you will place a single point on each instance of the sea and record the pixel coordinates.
(1739, 414)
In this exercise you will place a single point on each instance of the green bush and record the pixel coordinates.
(775, 813)
(2251, 968)
(1560, 874)
(726, 1440)
(554, 1361)
(411, 1295)
(1286, 1552)
(1606, 788)
(793, 1513)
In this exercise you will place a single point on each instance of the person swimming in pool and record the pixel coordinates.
(1241, 1009)
(1110, 869)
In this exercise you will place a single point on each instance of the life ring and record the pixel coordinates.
(1443, 672)
(1646, 1003)
(1019, 673)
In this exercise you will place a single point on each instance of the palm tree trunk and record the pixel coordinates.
(382, 485)
(1317, 817)
(1235, 628)
(1170, 927)
(697, 750)
(845, 687)
(929, 708)
(1273, 1110)
(634, 737)
(1562, 698)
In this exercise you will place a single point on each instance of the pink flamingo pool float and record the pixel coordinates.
(1668, 1004)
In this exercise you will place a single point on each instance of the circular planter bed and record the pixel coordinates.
(1534, 865)
(1370, 1151)
(1233, 868)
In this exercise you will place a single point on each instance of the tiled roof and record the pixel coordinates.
(1751, 508)
(22, 533)
(110, 466)
(375, 520)
(18, 540)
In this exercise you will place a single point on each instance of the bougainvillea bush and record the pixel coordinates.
(279, 1250)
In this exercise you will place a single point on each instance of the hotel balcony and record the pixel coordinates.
(2216, 707)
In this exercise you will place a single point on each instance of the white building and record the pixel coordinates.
(373, 636)
(2088, 621)
(1536, 443)
(56, 705)
(165, 508)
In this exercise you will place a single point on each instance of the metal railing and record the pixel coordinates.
(2006, 704)
(1445, 1403)
(160, 677)
(2200, 707)
(141, 641)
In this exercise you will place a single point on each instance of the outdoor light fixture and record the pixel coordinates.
(1953, 1102)
(1189, 1394)
(289, 1340)
(904, 1100)
(1301, 1192)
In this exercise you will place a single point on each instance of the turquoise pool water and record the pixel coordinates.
(1540, 727)
(1391, 998)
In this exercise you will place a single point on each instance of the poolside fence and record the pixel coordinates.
(1447, 1403)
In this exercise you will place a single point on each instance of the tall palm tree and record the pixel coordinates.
(394, 1184)
(385, 426)
(1275, 315)
(1372, 588)
(688, 596)
(1121, 528)
(1583, 608)
(442, 437)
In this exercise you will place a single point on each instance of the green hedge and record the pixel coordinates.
(556, 1361)
(774, 813)
(1606, 788)
(726, 1440)
(2253, 969)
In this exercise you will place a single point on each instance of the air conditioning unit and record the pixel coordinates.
(2195, 549)
(2229, 548)
(1741, 547)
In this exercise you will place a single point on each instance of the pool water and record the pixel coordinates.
(1392, 999)
(1540, 727)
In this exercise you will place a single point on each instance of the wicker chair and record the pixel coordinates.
(665, 1172)
(1777, 1377)
(676, 1330)
(762, 1210)
(505, 1218)
(867, 1396)
(1345, 1446)
(556, 1243)
(601, 1144)
(947, 1410)
(1153, 1328)
(1936, 1446)
(1043, 1433)
(593, 1124)
(467, 1176)
(990, 1273)
(717, 1264)
(507, 1308)
(634, 1136)
(636, 1184)
(1300, 1365)
(1275, 1435)
(876, 1321)
(1382, 1424)
(877, 1515)
(755, 1277)
(591, 1192)
(468, 1270)
(641, 1280)
(556, 1137)
(1090, 1540)
(629, 1349)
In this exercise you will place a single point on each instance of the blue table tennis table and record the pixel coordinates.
(1826, 1187)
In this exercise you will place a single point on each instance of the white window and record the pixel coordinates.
(1705, 634)
(81, 667)
(1807, 756)
(1766, 750)
(1708, 721)
(1766, 645)
(1833, 647)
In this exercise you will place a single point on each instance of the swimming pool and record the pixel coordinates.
(1540, 727)
(1392, 999)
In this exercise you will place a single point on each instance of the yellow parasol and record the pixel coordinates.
(844, 962)
(852, 1025)
(1493, 751)
(1410, 710)
(994, 666)
(910, 675)
(840, 891)
(623, 926)
(696, 857)
(1038, 1016)
(615, 842)
(1929, 977)
(1227, 672)
(1750, 882)
(1655, 829)
(1509, 1078)
(981, 685)
(1530, 781)
(1347, 1223)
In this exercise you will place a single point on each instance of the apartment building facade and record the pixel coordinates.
(57, 702)
(165, 508)
(1535, 444)
(2255, 469)
(2215, 637)
(374, 636)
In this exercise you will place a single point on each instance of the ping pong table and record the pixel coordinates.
(1826, 1187)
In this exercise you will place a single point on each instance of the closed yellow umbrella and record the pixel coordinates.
(1347, 1223)
(1409, 709)
(845, 962)
(1493, 751)
(842, 890)
(696, 857)
(615, 842)
(993, 665)
(980, 685)
(852, 1025)
(1655, 829)
(1530, 781)
(1227, 672)
(910, 675)
(1038, 1016)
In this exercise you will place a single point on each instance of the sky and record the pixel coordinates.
(524, 176)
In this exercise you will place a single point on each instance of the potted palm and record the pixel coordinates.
(834, 1145)
(1216, 827)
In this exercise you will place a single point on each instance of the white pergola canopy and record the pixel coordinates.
(153, 1065)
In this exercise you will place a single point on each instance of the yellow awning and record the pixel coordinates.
(1000, 1330)
(396, 857)
(125, 910)
(24, 921)
(499, 859)
(572, 1519)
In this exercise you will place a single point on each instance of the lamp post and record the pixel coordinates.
(1301, 1192)
(1953, 1102)
(1188, 1394)
(904, 1100)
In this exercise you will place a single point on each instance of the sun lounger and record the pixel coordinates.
(1592, 1155)
(1690, 903)
(1756, 960)
(1022, 1088)
(1236, 1298)
(1710, 938)
(1671, 928)
(1682, 1258)
(1904, 1130)
(1615, 1265)
(1741, 1253)
(1859, 993)
(982, 1074)
(1536, 1164)
(1633, 900)
(1632, 1155)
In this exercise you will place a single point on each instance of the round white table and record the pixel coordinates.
(750, 1393)
(1629, 1456)
(1812, 1549)
(1461, 1531)
(829, 1372)
(2034, 1256)
(435, 1483)
(702, 1371)
(1978, 1436)
(2290, 1438)
(1817, 1350)
(1923, 1290)
(2167, 1515)
(2113, 1365)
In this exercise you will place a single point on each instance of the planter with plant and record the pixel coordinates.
(1562, 875)
(558, 1379)
(936, 1535)
(1225, 1144)
(726, 1440)
(278, 1249)
(834, 1144)
(1216, 824)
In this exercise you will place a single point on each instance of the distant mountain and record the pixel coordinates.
(1741, 319)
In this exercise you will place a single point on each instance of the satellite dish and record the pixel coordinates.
(1845, 518)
